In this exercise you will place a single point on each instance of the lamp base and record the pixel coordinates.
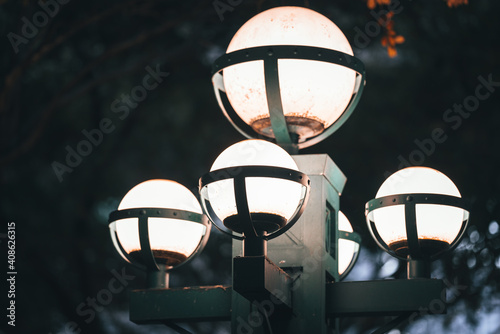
(418, 269)
(158, 279)
(262, 222)
(428, 247)
(163, 257)
(303, 127)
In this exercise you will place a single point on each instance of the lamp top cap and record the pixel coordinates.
(289, 25)
(254, 152)
(418, 180)
(159, 193)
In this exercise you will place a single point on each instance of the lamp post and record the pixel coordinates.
(288, 80)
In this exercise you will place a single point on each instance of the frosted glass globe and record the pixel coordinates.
(276, 198)
(435, 222)
(172, 240)
(314, 93)
(347, 248)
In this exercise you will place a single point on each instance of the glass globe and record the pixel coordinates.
(172, 241)
(346, 248)
(271, 201)
(314, 93)
(437, 225)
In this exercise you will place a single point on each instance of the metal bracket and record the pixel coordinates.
(385, 297)
(257, 278)
(270, 55)
(211, 303)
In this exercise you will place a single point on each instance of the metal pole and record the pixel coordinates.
(418, 269)
(254, 246)
(158, 279)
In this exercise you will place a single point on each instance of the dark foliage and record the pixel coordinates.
(67, 77)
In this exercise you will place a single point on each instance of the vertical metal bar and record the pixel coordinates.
(309, 297)
(411, 231)
(242, 317)
(418, 269)
(158, 279)
(274, 102)
(240, 195)
(254, 246)
(146, 251)
(334, 228)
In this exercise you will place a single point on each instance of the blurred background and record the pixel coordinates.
(66, 66)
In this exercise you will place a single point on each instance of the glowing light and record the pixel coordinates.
(314, 94)
(434, 222)
(172, 240)
(277, 198)
(347, 248)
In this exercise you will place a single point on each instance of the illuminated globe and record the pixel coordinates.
(347, 248)
(172, 241)
(272, 202)
(314, 94)
(438, 225)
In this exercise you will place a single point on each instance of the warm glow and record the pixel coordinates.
(437, 222)
(177, 236)
(347, 248)
(265, 195)
(316, 92)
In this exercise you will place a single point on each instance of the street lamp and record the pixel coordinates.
(289, 75)
(158, 226)
(254, 188)
(417, 215)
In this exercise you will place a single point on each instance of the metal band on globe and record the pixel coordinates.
(143, 215)
(410, 201)
(270, 55)
(239, 174)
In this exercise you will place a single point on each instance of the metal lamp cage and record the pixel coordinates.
(410, 201)
(270, 55)
(143, 214)
(239, 175)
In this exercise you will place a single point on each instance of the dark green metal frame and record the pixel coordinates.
(258, 279)
(239, 175)
(143, 215)
(404, 298)
(211, 303)
(384, 297)
(270, 55)
(410, 201)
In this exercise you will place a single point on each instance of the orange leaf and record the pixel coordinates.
(399, 39)
(455, 3)
(392, 52)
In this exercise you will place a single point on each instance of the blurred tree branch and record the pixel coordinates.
(69, 91)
